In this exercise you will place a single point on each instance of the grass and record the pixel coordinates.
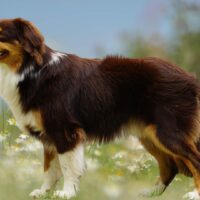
(117, 171)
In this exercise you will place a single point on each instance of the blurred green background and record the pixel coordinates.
(165, 29)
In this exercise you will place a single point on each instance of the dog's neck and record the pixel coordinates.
(10, 93)
(31, 68)
(10, 85)
(10, 80)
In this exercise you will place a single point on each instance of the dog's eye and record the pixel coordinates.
(3, 53)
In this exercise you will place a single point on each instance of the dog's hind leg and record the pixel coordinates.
(182, 146)
(52, 172)
(194, 195)
(167, 167)
(191, 157)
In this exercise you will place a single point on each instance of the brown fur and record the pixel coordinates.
(15, 57)
(48, 157)
(167, 166)
(95, 99)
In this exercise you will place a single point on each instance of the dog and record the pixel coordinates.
(64, 100)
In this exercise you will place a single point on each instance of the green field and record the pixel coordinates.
(117, 171)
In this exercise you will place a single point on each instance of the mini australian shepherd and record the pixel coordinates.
(64, 100)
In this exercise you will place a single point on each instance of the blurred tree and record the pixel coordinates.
(143, 47)
(185, 52)
(183, 47)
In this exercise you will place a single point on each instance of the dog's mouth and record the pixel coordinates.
(3, 53)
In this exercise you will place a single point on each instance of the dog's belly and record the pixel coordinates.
(141, 130)
(135, 128)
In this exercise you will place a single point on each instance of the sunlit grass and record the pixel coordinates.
(115, 171)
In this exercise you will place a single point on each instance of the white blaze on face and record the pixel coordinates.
(9, 92)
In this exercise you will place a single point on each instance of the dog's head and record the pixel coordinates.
(19, 38)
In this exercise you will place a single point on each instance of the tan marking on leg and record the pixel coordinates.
(38, 119)
(48, 157)
(166, 162)
(182, 167)
(81, 133)
(150, 132)
(195, 172)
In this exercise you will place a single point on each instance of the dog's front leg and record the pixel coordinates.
(52, 172)
(72, 166)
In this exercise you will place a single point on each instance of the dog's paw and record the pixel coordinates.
(64, 194)
(194, 195)
(153, 192)
(38, 193)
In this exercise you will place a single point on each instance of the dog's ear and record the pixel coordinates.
(30, 38)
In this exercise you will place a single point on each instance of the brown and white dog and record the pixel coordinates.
(63, 100)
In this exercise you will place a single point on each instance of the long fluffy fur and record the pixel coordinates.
(98, 99)
(102, 96)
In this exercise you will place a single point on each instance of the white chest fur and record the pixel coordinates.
(9, 92)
